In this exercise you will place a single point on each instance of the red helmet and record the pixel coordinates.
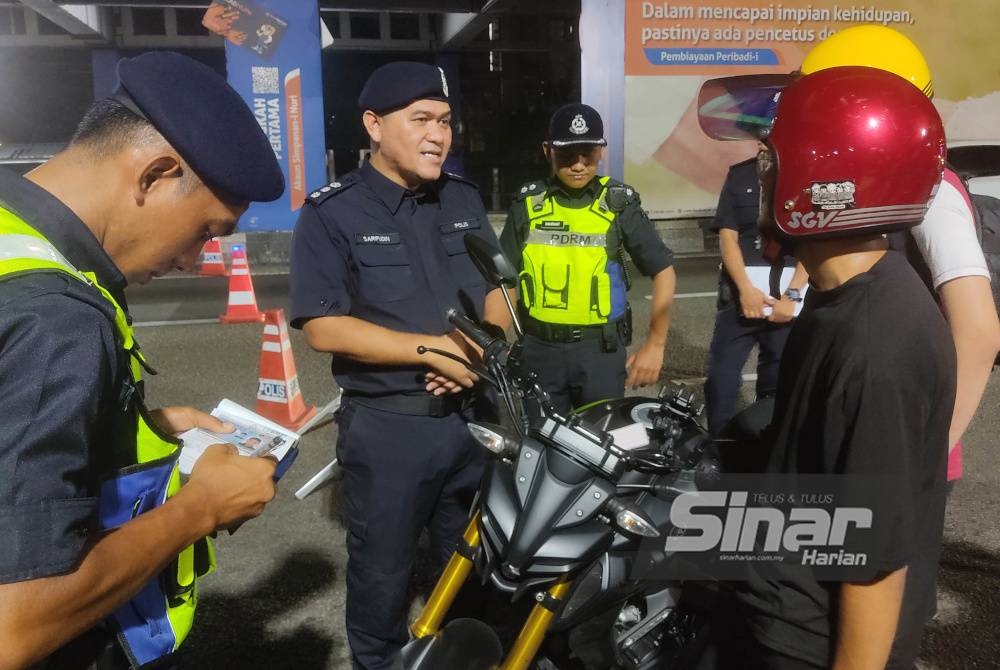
(856, 151)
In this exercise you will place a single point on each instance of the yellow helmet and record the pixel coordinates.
(872, 46)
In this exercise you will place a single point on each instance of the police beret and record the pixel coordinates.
(205, 120)
(395, 85)
(576, 123)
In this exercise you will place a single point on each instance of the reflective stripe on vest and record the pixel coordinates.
(571, 274)
(28, 248)
(159, 617)
(27, 251)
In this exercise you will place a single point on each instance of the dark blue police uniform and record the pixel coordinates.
(67, 403)
(734, 337)
(59, 369)
(368, 248)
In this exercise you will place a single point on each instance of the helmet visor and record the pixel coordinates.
(741, 107)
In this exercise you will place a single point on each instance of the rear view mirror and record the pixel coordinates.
(490, 262)
(496, 269)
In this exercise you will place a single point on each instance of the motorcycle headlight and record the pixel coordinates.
(495, 438)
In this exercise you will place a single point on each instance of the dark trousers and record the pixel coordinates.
(732, 341)
(401, 474)
(575, 373)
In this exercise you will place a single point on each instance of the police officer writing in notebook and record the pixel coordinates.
(566, 234)
(97, 570)
(378, 259)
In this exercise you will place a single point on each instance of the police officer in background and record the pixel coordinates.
(151, 174)
(566, 235)
(378, 259)
(745, 314)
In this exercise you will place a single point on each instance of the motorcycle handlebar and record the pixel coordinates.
(470, 329)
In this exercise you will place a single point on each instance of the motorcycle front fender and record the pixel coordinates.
(463, 644)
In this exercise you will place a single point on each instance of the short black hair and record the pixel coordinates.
(109, 127)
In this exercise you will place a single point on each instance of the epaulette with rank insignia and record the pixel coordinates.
(620, 196)
(333, 188)
(464, 180)
(530, 189)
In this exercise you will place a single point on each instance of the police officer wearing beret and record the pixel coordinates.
(745, 315)
(170, 161)
(378, 259)
(566, 234)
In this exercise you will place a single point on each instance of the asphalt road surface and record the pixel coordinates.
(277, 600)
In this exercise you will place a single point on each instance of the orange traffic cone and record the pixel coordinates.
(242, 306)
(278, 396)
(212, 264)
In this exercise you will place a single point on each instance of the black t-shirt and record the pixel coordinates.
(867, 387)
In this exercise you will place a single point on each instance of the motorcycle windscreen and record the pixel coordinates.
(741, 107)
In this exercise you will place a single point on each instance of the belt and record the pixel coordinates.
(563, 333)
(414, 405)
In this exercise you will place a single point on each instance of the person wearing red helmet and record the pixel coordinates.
(867, 381)
(944, 247)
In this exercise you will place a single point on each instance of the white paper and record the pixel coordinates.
(760, 277)
(254, 436)
(632, 436)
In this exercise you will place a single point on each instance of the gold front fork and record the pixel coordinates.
(448, 586)
(535, 628)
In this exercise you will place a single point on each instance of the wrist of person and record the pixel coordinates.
(793, 294)
(192, 502)
(656, 341)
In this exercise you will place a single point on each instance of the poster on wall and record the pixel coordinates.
(273, 61)
(670, 49)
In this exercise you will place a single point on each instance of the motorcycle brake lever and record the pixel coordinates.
(479, 372)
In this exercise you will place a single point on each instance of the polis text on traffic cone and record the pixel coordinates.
(212, 264)
(278, 395)
(242, 307)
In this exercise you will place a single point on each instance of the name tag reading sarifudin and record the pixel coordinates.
(376, 238)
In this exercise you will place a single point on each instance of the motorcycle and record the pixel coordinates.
(564, 507)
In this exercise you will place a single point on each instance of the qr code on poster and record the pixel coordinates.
(265, 80)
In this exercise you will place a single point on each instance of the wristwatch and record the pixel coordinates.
(794, 294)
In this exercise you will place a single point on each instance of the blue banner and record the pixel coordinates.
(723, 56)
(273, 61)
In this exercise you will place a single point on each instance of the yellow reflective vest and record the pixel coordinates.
(571, 269)
(158, 618)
